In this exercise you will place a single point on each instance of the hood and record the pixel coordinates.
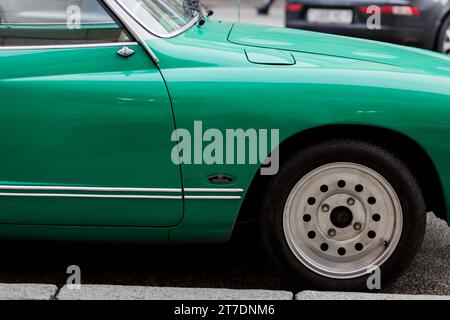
(345, 47)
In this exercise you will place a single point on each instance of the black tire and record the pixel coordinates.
(363, 153)
(442, 36)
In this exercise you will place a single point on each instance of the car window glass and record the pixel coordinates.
(162, 17)
(57, 22)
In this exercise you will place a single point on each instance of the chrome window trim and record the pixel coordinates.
(71, 46)
(159, 35)
(50, 23)
(138, 35)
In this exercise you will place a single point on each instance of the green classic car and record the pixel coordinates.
(101, 102)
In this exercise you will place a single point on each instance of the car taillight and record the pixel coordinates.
(293, 7)
(405, 11)
(394, 10)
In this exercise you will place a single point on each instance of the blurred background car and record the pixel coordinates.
(419, 23)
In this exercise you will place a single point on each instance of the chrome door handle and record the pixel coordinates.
(125, 52)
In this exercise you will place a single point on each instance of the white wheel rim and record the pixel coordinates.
(342, 234)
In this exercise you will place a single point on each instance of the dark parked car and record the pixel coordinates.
(420, 23)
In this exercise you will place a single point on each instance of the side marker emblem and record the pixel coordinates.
(220, 179)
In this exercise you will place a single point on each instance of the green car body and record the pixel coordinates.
(85, 132)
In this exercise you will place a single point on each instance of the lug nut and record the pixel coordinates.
(350, 201)
(357, 226)
(325, 208)
(332, 233)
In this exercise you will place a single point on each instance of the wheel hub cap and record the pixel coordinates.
(341, 217)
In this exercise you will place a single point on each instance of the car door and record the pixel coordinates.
(85, 133)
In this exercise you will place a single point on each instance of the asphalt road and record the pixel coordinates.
(235, 265)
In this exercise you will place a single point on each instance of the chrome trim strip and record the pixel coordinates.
(71, 46)
(64, 195)
(64, 188)
(212, 197)
(116, 196)
(118, 189)
(177, 193)
(213, 190)
(164, 36)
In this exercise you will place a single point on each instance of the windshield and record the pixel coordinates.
(161, 17)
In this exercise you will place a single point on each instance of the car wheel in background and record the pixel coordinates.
(444, 37)
(339, 209)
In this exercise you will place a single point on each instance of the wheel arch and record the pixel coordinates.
(408, 150)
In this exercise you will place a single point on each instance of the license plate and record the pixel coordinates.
(330, 16)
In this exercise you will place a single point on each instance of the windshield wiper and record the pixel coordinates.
(196, 6)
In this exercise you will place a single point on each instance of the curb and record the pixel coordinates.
(326, 295)
(106, 292)
(27, 291)
(101, 292)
